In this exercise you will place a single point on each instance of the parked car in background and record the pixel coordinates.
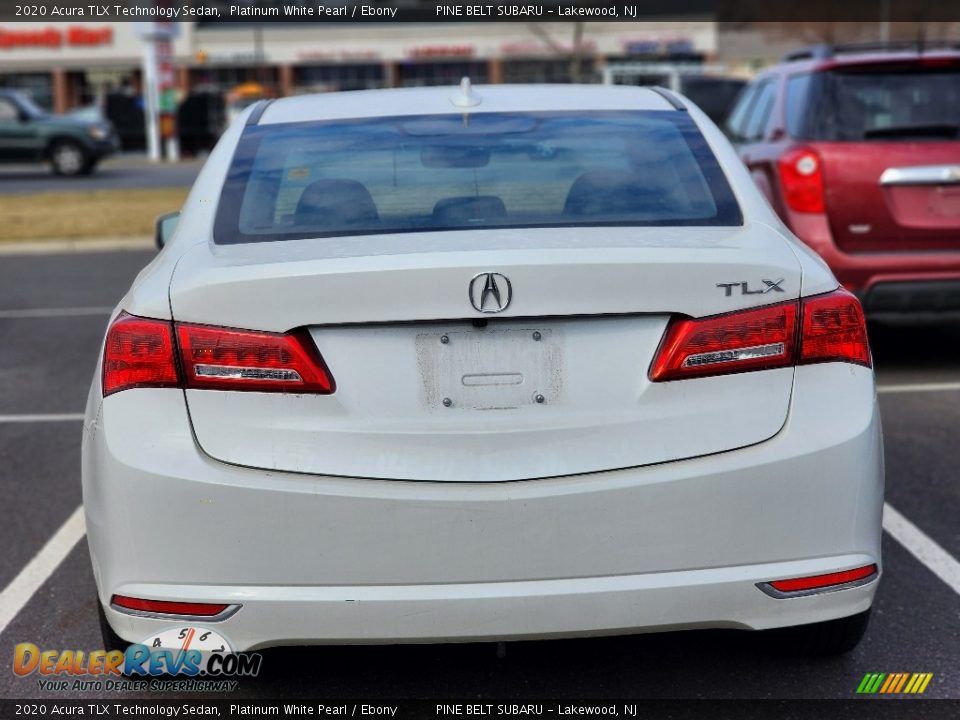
(201, 118)
(713, 94)
(243, 96)
(72, 145)
(857, 148)
(124, 109)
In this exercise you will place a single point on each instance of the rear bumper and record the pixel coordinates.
(99, 149)
(912, 299)
(331, 560)
(714, 598)
(905, 284)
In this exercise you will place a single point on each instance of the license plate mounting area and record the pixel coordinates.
(485, 369)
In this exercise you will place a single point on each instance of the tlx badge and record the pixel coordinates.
(768, 286)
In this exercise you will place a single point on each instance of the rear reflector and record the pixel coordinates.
(822, 328)
(225, 359)
(138, 353)
(166, 607)
(817, 582)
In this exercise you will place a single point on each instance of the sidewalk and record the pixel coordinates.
(75, 245)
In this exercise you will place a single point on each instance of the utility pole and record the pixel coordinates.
(258, 53)
(151, 95)
(575, 52)
(159, 91)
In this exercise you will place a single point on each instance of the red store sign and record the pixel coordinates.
(442, 51)
(51, 37)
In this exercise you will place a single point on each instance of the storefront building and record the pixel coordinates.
(66, 66)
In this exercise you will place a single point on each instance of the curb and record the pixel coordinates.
(75, 245)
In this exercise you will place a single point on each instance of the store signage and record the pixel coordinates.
(339, 55)
(51, 37)
(659, 46)
(432, 51)
(533, 47)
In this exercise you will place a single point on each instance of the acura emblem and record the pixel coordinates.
(490, 292)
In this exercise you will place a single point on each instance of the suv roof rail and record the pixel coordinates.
(824, 51)
(813, 52)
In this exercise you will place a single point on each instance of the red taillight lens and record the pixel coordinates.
(167, 607)
(816, 582)
(834, 329)
(224, 359)
(801, 178)
(138, 353)
(748, 340)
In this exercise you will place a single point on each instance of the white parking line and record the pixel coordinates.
(935, 558)
(18, 593)
(48, 417)
(53, 312)
(918, 387)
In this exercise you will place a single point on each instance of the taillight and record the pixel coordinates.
(224, 359)
(801, 178)
(831, 329)
(735, 342)
(138, 353)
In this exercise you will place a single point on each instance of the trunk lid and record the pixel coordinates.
(888, 135)
(892, 196)
(556, 384)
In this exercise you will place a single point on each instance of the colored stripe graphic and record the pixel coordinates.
(890, 683)
(901, 682)
(923, 679)
(894, 683)
(871, 683)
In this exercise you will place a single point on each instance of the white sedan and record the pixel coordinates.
(467, 364)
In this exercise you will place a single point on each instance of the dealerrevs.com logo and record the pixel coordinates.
(894, 683)
(193, 653)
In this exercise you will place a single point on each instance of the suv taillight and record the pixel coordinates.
(801, 178)
(822, 328)
(142, 352)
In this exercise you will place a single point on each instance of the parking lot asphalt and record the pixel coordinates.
(53, 311)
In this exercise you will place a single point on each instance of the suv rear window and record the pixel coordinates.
(459, 172)
(903, 103)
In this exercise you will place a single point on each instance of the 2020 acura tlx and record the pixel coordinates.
(452, 364)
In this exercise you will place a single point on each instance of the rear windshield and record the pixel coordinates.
(909, 103)
(460, 172)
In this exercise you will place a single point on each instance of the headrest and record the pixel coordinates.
(336, 203)
(470, 210)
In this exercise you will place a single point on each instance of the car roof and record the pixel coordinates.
(827, 56)
(440, 100)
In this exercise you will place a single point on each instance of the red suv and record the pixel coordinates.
(858, 149)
